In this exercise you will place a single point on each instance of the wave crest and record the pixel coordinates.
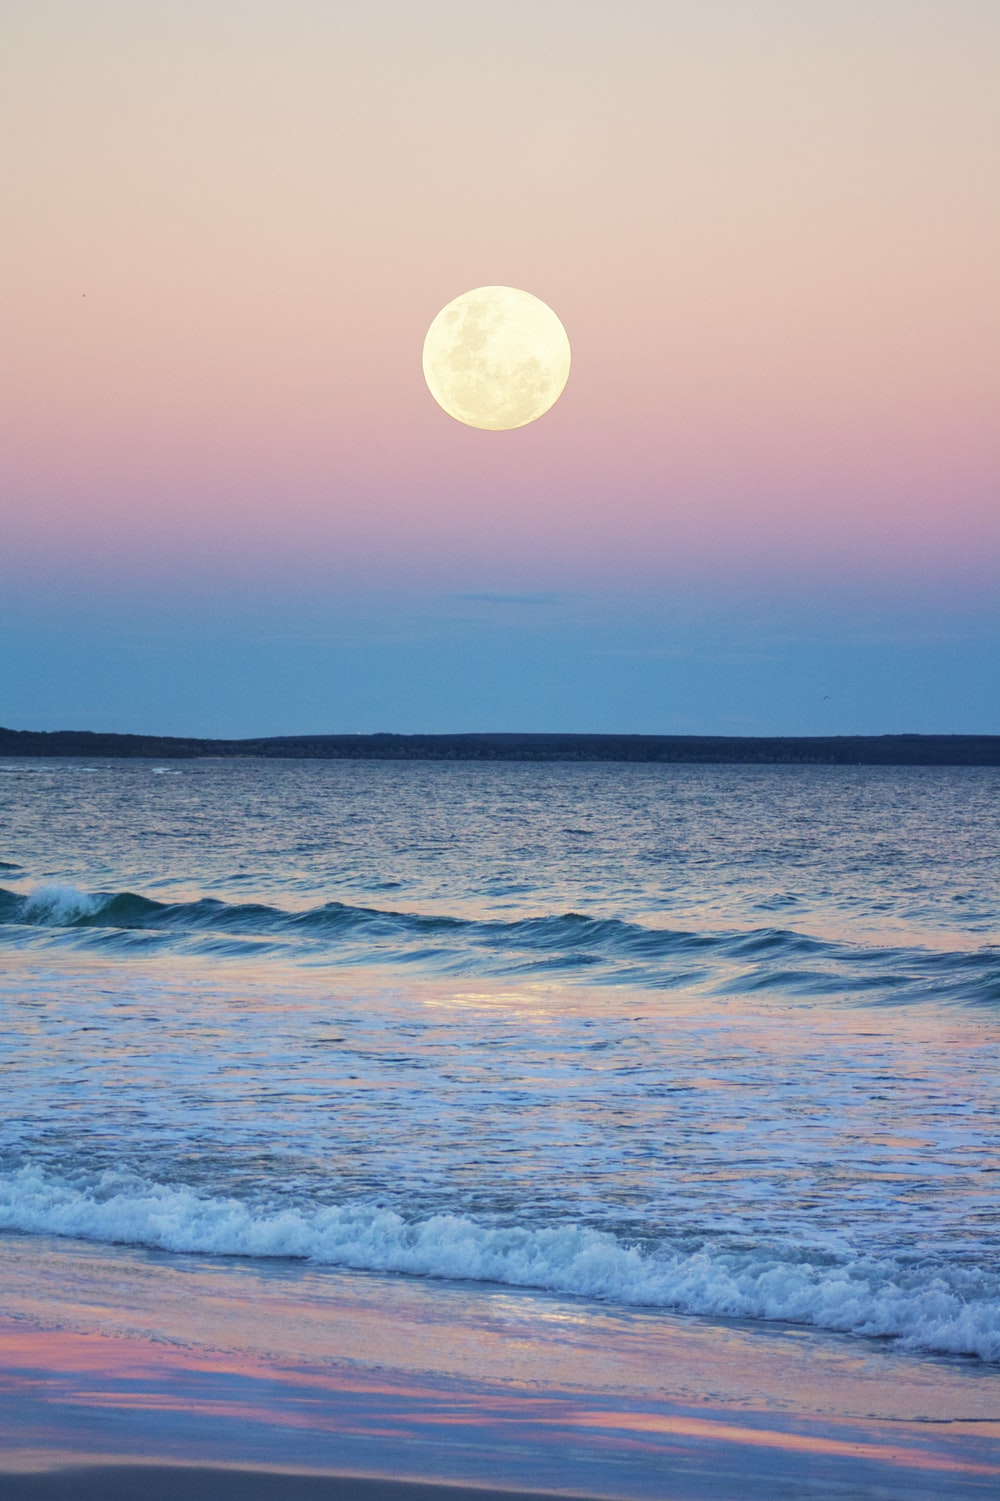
(59, 906)
(941, 1309)
(776, 959)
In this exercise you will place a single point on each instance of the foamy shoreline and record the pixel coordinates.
(127, 1374)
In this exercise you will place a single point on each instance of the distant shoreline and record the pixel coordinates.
(770, 750)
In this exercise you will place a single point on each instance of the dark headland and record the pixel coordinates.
(798, 750)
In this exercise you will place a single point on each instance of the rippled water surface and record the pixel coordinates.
(720, 1039)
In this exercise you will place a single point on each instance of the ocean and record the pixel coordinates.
(718, 1041)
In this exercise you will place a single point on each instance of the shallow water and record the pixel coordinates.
(720, 1040)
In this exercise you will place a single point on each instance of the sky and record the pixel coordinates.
(768, 501)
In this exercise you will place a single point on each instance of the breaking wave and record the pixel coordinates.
(935, 1308)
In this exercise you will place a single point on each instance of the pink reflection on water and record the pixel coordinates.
(54, 1378)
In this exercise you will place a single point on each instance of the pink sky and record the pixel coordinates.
(771, 231)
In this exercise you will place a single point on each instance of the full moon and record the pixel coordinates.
(496, 358)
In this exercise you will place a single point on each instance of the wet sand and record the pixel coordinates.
(126, 1374)
(165, 1482)
(740, 1478)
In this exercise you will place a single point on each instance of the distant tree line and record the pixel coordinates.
(799, 750)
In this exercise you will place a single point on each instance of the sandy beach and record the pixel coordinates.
(138, 1375)
(164, 1482)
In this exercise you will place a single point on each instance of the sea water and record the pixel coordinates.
(713, 1040)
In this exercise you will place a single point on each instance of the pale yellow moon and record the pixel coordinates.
(496, 358)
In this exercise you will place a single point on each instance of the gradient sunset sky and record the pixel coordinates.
(768, 500)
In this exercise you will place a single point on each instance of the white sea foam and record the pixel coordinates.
(60, 905)
(943, 1309)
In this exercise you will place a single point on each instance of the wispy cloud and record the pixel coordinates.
(683, 653)
(488, 598)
